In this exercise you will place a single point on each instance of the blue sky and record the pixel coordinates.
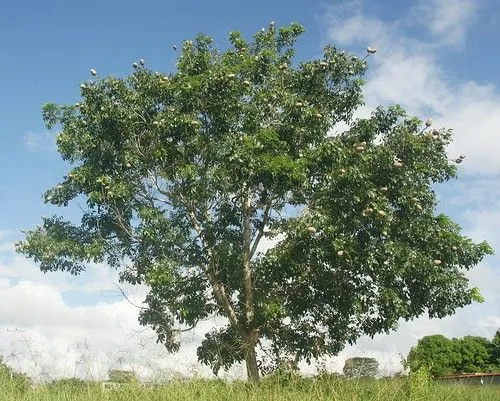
(49, 47)
(438, 58)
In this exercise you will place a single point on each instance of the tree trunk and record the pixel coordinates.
(251, 337)
(251, 360)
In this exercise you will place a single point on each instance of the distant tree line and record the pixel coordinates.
(444, 356)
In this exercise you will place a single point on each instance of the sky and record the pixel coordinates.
(437, 58)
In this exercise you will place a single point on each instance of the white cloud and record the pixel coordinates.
(348, 24)
(486, 224)
(45, 141)
(407, 70)
(47, 337)
(447, 20)
(63, 340)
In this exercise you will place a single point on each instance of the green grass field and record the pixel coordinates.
(275, 389)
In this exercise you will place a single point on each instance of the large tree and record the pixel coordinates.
(186, 174)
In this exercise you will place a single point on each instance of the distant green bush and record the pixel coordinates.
(71, 385)
(11, 381)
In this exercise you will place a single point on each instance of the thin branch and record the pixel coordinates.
(122, 291)
(120, 221)
(260, 233)
(157, 186)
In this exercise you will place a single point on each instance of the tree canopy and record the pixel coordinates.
(122, 376)
(358, 367)
(496, 348)
(186, 175)
(443, 356)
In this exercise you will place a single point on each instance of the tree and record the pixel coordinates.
(475, 355)
(183, 176)
(360, 367)
(443, 356)
(495, 354)
(71, 385)
(122, 376)
(436, 353)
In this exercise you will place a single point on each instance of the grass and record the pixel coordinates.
(319, 388)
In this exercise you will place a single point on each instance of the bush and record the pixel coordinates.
(70, 385)
(11, 381)
(418, 383)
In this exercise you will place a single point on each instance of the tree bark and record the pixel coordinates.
(251, 338)
(251, 358)
(247, 268)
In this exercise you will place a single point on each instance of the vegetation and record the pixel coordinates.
(69, 387)
(13, 381)
(122, 376)
(443, 356)
(182, 176)
(496, 348)
(326, 387)
(360, 367)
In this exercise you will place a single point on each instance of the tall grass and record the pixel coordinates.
(293, 388)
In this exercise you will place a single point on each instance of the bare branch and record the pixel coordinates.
(160, 190)
(247, 269)
(260, 232)
(160, 313)
(122, 292)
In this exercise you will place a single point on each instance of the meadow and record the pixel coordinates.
(323, 387)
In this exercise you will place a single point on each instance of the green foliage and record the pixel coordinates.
(71, 386)
(280, 369)
(312, 388)
(282, 374)
(418, 384)
(475, 355)
(495, 353)
(122, 376)
(221, 349)
(360, 367)
(12, 381)
(442, 356)
(436, 353)
(184, 174)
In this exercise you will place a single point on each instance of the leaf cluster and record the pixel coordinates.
(444, 356)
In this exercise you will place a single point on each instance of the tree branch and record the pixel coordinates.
(260, 232)
(159, 313)
(247, 269)
(218, 289)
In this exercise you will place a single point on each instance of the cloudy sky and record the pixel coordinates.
(437, 58)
